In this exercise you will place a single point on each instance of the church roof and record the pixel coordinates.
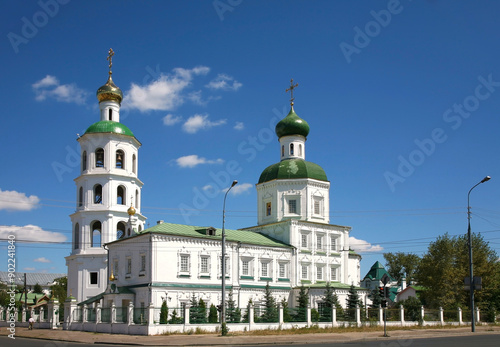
(377, 271)
(243, 236)
(32, 278)
(292, 124)
(109, 126)
(292, 169)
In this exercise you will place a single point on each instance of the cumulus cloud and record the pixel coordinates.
(362, 246)
(224, 82)
(49, 87)
(199, 121)
(11, 200)
(41, 260)
(241, 188)
(239, 126)
(29, 269)
(194, 160)
(30, 233)
(170, 119)
(165, 93)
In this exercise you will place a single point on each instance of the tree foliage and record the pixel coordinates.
(59, 289)
(233, 313)
(270, 310)
(164, 313)
(401, 264)
(213, 314)
(37, 288)
(303, 302)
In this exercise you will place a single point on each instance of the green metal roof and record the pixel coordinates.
(108, 126)
(248, 237)
(292, 124)
(333, 285)
(292, 169)
(377, 271)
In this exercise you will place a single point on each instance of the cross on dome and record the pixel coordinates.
(111, 53)
(292, 87)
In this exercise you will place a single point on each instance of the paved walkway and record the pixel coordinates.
(214, 340)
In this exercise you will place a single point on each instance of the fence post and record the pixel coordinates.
(23, 314)
(85, 318)
(40, 317)
(380, 315)
(251, 314)
(186, 314)
(402, 315)
(53, 307)
(441, 316)
(460, 322)
(98, 313)
(308, 314)
(422, 314)
(69, 308)
(358, 315)
(334, 316)
(478, 318)
(280, 314)
(151, 313)
(130, 315)
(113, 312)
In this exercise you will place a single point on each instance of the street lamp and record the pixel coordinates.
(223, 264)
(471, 271)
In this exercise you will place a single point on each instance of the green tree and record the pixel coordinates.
(445, 265)
(412, 307)
(174, 318)
(302, 301)
(401, 264)
(195, 316)
(233, 313)
(286, 312)
(202, 307)
(376, 298)
(213, 314)
(246, 316)
(164, 313)
(59, 289)
(4, 296)
(339, 309)
(328, 303)
(270, 310)
(37, 288)
(351, 302)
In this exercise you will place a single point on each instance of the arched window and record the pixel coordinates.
(300, 150)
(95, 228)
(282, 151)
(80, 197)
(84, 161)
(140, 228)
(97, 194)
(137, 198)
(134, 164)
(128, 232)
(120, 159)
(110, 114)
(99, 157)
(120, 230)
(120, 194)
(291, 149)
(76, 237)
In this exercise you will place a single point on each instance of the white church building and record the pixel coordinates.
(115, 260)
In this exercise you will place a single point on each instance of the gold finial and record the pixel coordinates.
(112, 277)
(111, 53)
(292, 87)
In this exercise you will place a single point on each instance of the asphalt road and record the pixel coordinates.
(456, 341)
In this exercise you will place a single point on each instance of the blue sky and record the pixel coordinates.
(402, 98)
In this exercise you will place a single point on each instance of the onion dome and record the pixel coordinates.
(293, 169)
(131, 210)
(109, 126)
(292, 124)
(109, 92)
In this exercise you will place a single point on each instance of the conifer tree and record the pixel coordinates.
(286, 312)
(352, 302)
(328, 303)
(233, 313)
(246, 316)
(270, 310)
(164, 313)
(303, 301)
(212, 314)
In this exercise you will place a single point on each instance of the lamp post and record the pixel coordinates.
(223, 265)
(471, 271)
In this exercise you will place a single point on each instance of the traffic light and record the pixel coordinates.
(381, 291)
(219, 308)
(386, 292)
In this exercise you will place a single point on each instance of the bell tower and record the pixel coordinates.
(107, 188)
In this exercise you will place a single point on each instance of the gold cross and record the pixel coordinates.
(111, 53)
(292, 87)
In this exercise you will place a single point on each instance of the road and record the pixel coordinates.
(456, 341)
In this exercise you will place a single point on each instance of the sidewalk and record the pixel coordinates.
(215, 340)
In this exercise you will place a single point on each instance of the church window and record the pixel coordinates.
(317, 207)
(319, 242)
(268, 208)
(120, 230)
(116, 268)
(137, 199)
(282, 151)
(333, 274)
(303, 240)
(120, 159)
(110, 114)
(77, 236)
(305, 271)
(204, 264)
(184, 263)
(333, 245)
(319, 273)
(291, 149)
(97, 194)
(292, 206)
(282, 270)
(80, 197)
(134, 164)
(129, 266)
(93, 278)
(84, 160)
(300, 150)
(99, 157)
(245, 267)
(96, 234)
(143, 262)
(139, 228)
(120, 195)
(264, 269)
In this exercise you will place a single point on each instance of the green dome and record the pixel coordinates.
(109, 126)
(292, 125)
(291, 169)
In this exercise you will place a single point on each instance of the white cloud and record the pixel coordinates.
(50, 87)
(224, 82)
(241, 188)
(198, 122)
(30, 233)
(170, 119)
(164, 93)
(363, 246)
(41, 260)
(29, 269)
(193, 160)
(11, 200)
(239, 126)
